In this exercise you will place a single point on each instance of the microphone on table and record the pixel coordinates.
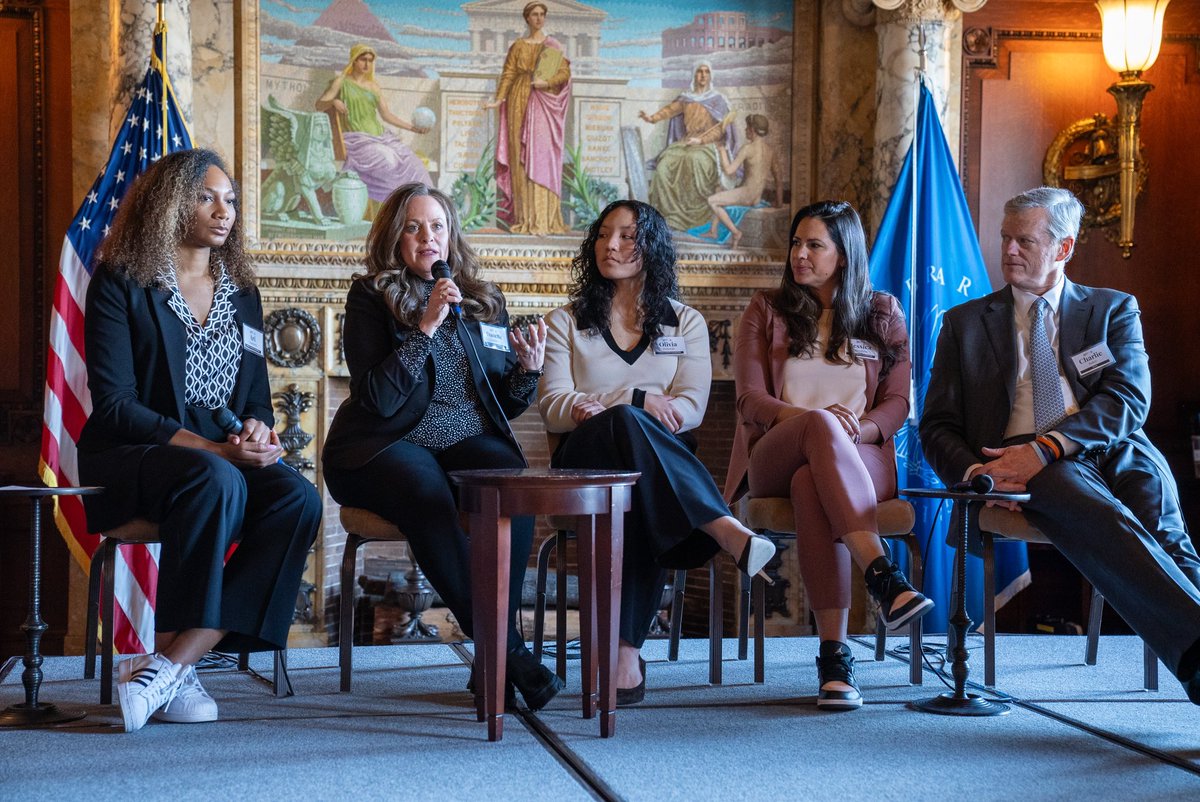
(980, 483)
(229, 423)
(442, 270)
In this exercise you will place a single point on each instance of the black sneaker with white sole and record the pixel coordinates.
(836, 665)
(885, 582)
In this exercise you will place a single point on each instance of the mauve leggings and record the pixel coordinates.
(834, 486)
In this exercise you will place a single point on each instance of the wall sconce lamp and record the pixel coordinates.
(1100, 159)
(1132, 37)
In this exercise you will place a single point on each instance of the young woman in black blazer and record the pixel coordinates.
(432, 388)
(173, 333)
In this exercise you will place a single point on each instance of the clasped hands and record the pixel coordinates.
(1011, 468)
(255, 447)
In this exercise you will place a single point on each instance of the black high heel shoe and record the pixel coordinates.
(631, 696)
(537, 684)
(757, 553)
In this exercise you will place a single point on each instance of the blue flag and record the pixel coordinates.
(152, 127)
(927, 255)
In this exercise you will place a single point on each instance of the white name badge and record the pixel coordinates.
(1092, 359)
(494, 337)
(670, 346)
(252, 340)
(863, 349)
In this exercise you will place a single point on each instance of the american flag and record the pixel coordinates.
(153, 126)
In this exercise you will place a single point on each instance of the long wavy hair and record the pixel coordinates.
(402, 290)
(855, 314)
(155, 216)
(591, 293)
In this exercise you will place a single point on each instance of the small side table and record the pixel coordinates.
(961, 703)
(599, 499)
(33, 713)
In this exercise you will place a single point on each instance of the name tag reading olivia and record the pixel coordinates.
(1092, 359)
(252, 340)
(494, 337)
(670, 346)
(863, 349)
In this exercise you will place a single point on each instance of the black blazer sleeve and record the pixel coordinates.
(119, 334)
(378, 379)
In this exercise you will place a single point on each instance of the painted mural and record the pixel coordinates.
(533, 116)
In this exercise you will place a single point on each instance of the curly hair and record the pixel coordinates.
(591, 293)
(855, 315)
(155, 216)
(404, 291)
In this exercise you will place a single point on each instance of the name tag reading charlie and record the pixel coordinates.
(863, 349)
(670, 346)
(1092, 359)
(252, 340)
(494, 337)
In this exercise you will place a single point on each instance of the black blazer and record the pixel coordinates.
(136, 349)
(386, 401)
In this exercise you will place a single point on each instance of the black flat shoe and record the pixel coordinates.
(510, 693)
(631, 696)
(537, 684)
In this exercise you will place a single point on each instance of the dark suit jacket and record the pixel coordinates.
(386, 401)
(759, 360)
(972, 385)
(136, 349)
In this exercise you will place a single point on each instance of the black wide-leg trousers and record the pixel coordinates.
(203, 505)
(674, 496)
(408, 485)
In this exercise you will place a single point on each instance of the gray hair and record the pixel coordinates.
(1062, 207)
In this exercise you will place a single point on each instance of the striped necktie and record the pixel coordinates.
(1048, 409)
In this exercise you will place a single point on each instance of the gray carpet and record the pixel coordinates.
(408, 731)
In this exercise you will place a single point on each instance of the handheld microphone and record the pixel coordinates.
(229, 423)
(980, 483)
(442, 270)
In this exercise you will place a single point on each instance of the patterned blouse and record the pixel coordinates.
(455, 412)
(214, 350)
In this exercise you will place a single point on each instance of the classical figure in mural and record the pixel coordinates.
(758, 162)
(376, 154)
(532, 96)
(687, 172)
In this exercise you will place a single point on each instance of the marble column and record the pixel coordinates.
(135, 40)
(905, 28)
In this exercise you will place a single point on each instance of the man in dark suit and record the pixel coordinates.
(1044, 385)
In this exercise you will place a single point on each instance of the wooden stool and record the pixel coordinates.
(102, 572)
(599, 500)
(362, 526)
(895, 519)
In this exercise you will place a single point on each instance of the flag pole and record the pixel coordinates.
(912, 234)
(160, 27)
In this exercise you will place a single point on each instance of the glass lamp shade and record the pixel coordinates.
(1132, 32)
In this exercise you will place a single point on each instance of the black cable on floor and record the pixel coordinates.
(901, 653)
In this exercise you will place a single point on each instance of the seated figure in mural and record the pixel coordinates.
(377, 155)
(533, 94)
(758, 161)
(688, 170)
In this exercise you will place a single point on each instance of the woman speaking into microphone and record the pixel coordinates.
(435, 376)
(181, 432)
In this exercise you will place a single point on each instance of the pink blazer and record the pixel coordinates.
(759, 356)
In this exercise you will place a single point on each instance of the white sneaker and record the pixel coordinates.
(144, 684)
(191, 704)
